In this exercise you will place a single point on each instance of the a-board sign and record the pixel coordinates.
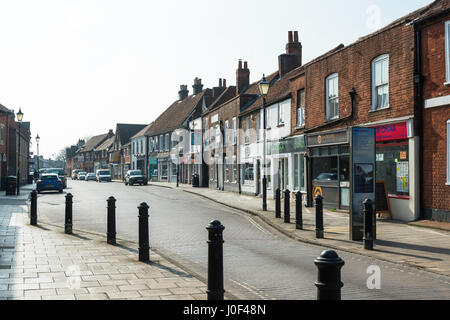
(382, 204)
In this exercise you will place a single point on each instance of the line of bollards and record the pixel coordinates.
(328, 264)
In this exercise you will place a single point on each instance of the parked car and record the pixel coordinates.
(103, 175)
(49, 181)
(61, 174)
(133, 177)
(90, 177)
(75, 174)
(81, 175)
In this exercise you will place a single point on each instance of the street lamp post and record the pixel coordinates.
(38, 139)
(264, 88)
(19, 118)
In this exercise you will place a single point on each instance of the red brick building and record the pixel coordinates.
(433, 59)
(367, 83)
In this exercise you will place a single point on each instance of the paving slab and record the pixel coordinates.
(43, 263)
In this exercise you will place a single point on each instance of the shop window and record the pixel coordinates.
(234, 169)
(248, 173)
(164, 169)
(299, 172)
(167, 142)
(393, 168)
(332, 97)
(2, 134)
(161, 143)
(174, 169)
(324, 169)
(380, 82)
(268, 173)
(227, 171)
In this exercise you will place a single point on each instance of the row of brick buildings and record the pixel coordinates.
(10, 155)
(105, 151)
(395, 80)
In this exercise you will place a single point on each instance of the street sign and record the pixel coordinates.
(363, 164)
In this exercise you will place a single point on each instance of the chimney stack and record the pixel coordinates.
(198, 86)
(110, 133)
(242, 77)
(217, 91)
(293, 56)
(184, 92)
(220, 82)
(294, 46)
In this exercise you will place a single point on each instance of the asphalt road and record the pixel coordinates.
(259, 262)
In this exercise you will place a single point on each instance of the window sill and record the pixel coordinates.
(281, 125)
(446, 84)
(380, 109)
(300, 127)
(331, 119)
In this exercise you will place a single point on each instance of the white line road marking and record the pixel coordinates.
(248, 288)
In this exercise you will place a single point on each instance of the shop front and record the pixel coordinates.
(152, 169)
(396, 156)
(329, 163)
(286, 160)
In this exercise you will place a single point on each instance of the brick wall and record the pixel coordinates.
(436, 195)
(295, 85)
(354, 66)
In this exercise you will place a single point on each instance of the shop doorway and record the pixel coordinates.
(283, 174)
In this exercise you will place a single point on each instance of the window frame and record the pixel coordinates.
(301, 108)
(2, 134)
(374, 86)
(225, 134)
(447, 52)
(327, 95)
(167, 142)
(233, 128)
(448, 152)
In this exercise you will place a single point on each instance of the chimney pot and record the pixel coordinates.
(240, 64)
(220, 82)
(245, 65)
(290, 36)
(295, 36)
(198, 86)
(224, 83)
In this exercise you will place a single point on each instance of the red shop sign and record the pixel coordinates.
(393, 131)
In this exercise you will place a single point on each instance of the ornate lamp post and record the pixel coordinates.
(19, 119)
(263, 89)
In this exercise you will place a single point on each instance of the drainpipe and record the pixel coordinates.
(418, 84)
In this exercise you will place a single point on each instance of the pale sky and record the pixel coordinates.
(78, 67)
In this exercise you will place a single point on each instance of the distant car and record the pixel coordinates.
(90, 177)
(61, 174)
(103, 175)
(49, 181)
(133, 177)
(81, 175)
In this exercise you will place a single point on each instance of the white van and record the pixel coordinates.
(103, 175)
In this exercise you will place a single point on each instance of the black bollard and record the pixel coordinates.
(68, 223)
(33, 213)
(368, 224)
(278, 203)
(215, 289)
(111, 226)
(287, 206)
(329, 276)
(298, 211)
(144, 247)
(319, 217)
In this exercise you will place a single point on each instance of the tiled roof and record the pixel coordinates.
(176, 114)
(93, 142)
(227, 94)
(435, 8)
(142, 132)
(4, 109)
(105, 145)
(126, 131)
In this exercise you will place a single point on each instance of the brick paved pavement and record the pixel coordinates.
(398, 242)
(43, 263)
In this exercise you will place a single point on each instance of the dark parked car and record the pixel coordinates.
(134, 177)
(61, 174)
(49, 181)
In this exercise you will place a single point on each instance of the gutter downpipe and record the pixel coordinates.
(418, 82)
